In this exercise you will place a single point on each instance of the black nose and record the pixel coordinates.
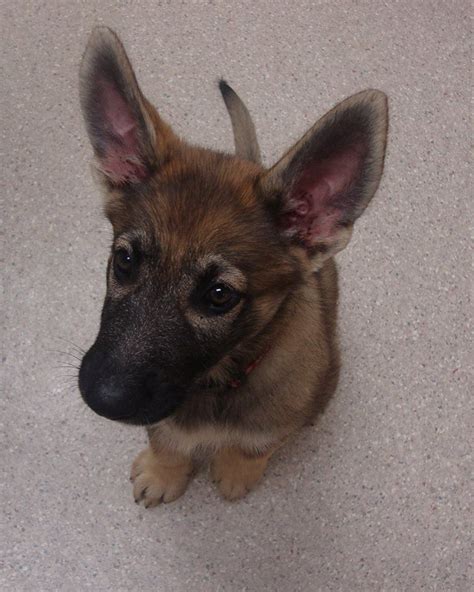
(132, 395)
(111, 398)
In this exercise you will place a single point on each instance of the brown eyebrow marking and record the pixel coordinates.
(225, 271)
(137, 238)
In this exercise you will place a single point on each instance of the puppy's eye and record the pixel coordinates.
(221, 298)
(125, 264)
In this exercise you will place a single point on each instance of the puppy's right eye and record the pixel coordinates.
(125, 264)
(221, 298)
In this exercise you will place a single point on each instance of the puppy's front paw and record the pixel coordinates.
(159, 477)
(235, 473)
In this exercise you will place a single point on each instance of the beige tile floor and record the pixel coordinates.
(376, 496)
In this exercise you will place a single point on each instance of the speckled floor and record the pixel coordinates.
(376, 496)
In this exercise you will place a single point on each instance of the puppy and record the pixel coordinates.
(218, 330)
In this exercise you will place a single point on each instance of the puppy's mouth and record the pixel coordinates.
(133, 397)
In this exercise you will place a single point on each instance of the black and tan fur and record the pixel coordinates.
(192, 227)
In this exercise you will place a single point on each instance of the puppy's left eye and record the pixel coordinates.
(124, 264)
(221, 298)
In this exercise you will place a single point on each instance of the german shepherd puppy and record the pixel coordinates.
(218, 331)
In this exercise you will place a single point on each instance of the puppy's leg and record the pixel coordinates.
(236, 472)
(159, 475)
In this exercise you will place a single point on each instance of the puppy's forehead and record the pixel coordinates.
(196, 208)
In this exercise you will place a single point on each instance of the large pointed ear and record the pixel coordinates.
(324, 183)
(128, 137)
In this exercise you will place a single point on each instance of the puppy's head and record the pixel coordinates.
(206, 247)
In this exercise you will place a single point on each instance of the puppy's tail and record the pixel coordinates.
(245, 136)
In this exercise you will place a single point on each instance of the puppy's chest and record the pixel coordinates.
(208, 438)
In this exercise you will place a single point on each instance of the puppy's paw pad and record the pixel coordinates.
(155, 483)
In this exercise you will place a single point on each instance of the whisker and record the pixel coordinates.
(65, 353)
(67, 376)
(79, 349)
(66, 365)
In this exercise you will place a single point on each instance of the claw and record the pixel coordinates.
(139, 498)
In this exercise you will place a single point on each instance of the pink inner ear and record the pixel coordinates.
(122, 161)
(317, 203)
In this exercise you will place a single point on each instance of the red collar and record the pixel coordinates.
(236, 382)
